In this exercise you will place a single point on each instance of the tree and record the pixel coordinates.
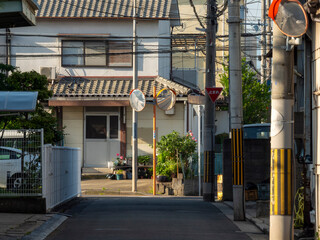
(256, 96)
(13, 80)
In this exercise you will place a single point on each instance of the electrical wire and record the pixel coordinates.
(196, 14)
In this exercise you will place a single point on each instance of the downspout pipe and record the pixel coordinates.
(8, 46)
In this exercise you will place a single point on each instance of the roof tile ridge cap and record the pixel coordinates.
(175, 84)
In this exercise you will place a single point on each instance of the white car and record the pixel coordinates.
(11, 176)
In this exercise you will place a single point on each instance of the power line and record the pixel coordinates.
(106, 36)
(196, 14)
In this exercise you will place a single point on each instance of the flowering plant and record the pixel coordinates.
(120, 161)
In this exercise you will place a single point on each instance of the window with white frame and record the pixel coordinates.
(97, 53)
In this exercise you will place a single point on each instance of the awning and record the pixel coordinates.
(18, 101)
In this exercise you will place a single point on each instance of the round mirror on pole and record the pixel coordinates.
(166, 99)
(289, 16)
(137, 100)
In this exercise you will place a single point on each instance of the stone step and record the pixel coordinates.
(96, 171)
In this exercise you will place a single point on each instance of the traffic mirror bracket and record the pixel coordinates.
(292, 41)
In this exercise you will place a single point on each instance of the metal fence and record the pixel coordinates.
(30, 168)
(61, 174)
(20, 162)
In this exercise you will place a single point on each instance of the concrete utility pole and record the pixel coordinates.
(134, 113)
(209, 114)
(263, 41)
(235, 93)
(268, 44)
(282, 101)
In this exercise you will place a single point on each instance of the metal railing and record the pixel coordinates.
(30, 168)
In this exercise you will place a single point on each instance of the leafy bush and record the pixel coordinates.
(170, 148)
(144, 159)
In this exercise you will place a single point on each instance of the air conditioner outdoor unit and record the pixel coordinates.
(49, 72)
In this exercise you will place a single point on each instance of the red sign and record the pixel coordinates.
(214, 92)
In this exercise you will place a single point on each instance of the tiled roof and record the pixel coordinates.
(110, 87)
(103, 8)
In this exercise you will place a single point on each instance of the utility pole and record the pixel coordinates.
(263, 41)
(282, 100)
(235, 88)
(209, 115)
(199, 147)
(268, 43)
(134, 113)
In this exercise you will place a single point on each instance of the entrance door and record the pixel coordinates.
(102, 139)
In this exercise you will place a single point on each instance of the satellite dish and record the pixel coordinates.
(137, 100)
(166, 99)
(289, 16)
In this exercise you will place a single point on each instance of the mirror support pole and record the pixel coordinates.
(134, 113)
(154, 139)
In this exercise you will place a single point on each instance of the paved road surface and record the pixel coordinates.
(149, 218)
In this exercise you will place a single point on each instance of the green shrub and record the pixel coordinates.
(144, 159)
(170, 148)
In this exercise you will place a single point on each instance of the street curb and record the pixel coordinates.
(258, 223)
(46, 228)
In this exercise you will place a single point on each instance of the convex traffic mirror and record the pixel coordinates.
(137, 100)
(289, 16)
(166, 98)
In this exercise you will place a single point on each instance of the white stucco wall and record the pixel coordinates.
(73, 123)
(164, 49)
(149, 64)
(165, 125)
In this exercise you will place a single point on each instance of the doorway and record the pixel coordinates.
(102, 138)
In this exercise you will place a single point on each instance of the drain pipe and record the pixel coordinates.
(8, 46)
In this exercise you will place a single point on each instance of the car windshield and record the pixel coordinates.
(256, 132)
(7, 154)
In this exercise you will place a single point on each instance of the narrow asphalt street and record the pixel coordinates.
(152, 218)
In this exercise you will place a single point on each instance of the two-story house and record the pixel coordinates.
(84, 47)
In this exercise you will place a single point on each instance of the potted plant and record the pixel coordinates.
(119, 174)
(119, 161)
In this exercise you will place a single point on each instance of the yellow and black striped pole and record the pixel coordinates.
(281, 182)
(237, 173)
(281, 177)
(237, 156)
